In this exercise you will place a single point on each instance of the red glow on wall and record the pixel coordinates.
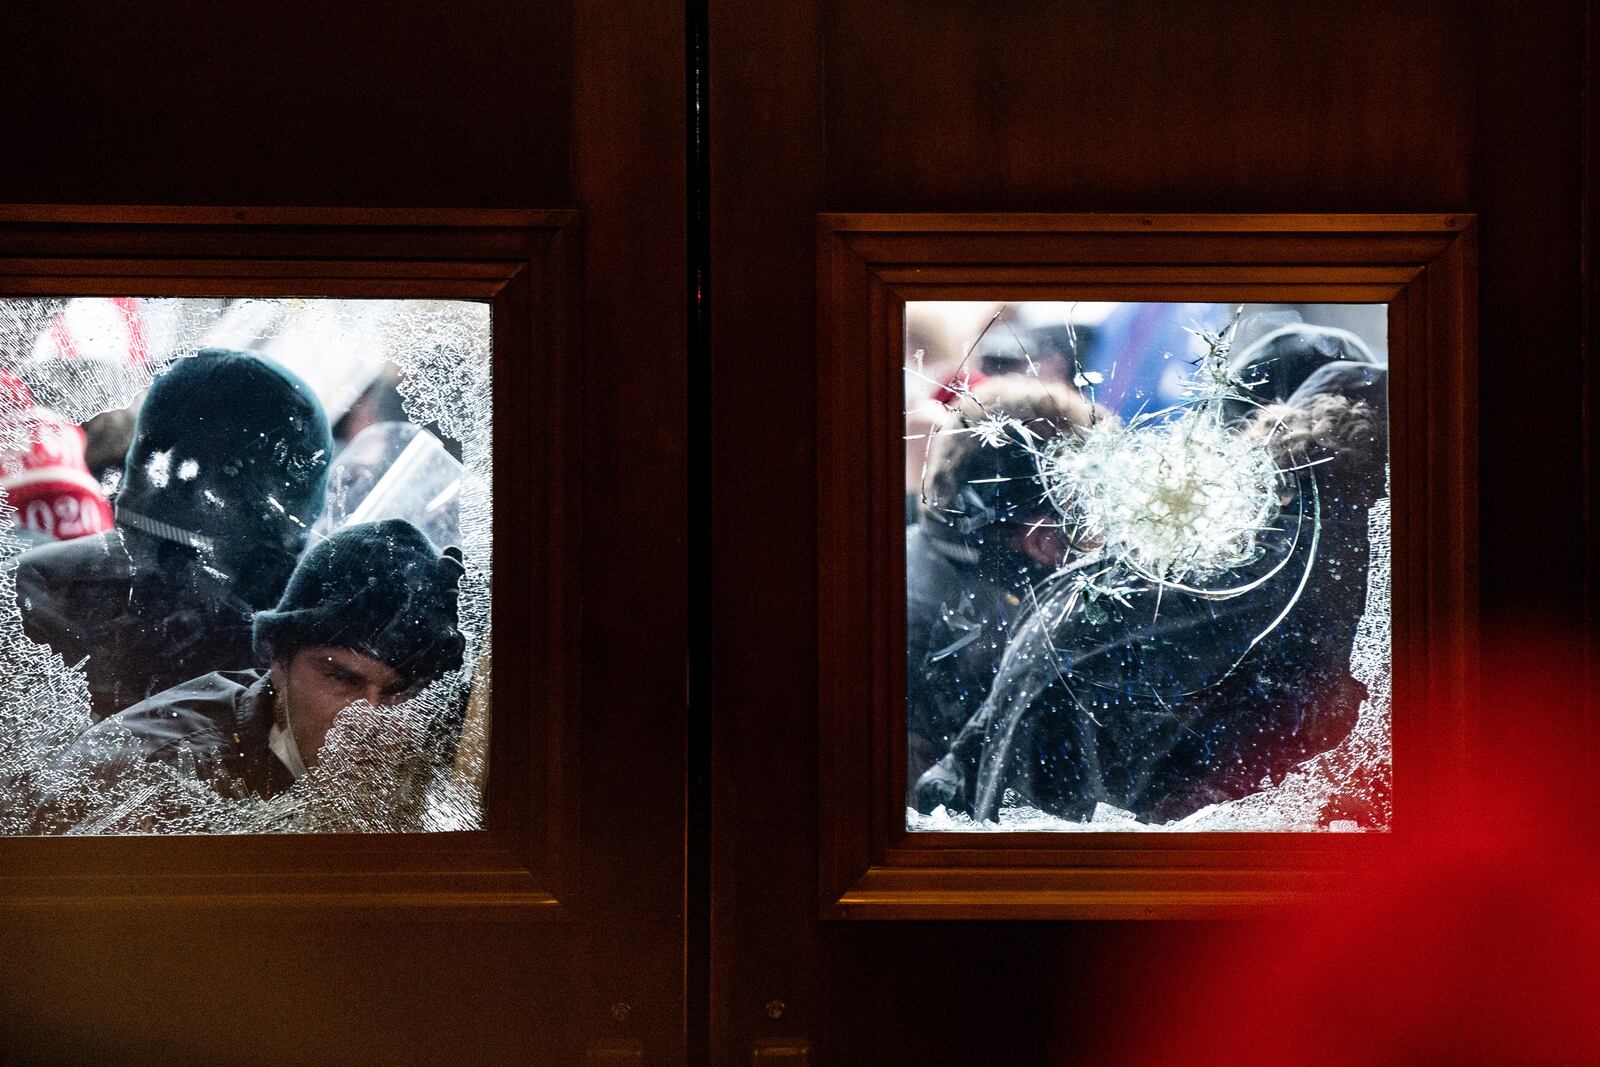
(1479, 943)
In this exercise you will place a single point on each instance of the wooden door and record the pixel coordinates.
(695, 928)
(1243, 106)
(488, 103)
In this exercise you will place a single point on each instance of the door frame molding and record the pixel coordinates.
(525, 264)
(869, 265)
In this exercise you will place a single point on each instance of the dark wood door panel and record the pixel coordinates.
(486, 103)
(405, 104)
(1147, 107)
(1161, 107)
(120, 991)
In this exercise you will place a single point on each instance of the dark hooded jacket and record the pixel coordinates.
(1162, 715)
(141, 628)
(962, 599)
(212, 729)
(223, 718)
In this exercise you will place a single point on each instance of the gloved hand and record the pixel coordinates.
(944, 783)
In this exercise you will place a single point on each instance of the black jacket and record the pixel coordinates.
(143, 627)
(962, 599)
(1162, 714)
(212, 729)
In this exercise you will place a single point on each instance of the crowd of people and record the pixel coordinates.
(1029, 684)
(223, 608)
(214, 561)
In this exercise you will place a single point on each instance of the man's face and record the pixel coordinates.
(320, 681)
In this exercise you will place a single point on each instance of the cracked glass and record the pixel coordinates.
(1147, 566)
(246, 565)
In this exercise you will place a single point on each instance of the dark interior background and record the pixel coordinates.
(1234, 105)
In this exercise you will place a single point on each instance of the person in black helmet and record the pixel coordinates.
(224, 478)
(370, 614)
(1276, 367)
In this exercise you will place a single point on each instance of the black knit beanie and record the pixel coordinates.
(377, 588)
(230, 453)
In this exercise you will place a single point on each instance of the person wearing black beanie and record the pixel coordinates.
(225, 476)
(370, 614)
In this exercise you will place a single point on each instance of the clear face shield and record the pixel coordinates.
(395, 470)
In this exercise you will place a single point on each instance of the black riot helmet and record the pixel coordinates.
(229, 456)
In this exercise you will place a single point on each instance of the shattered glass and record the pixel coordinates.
(1147, 563)
(230, 610)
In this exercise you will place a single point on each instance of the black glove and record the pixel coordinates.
(944, 783)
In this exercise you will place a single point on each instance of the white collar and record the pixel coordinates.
(281, 742)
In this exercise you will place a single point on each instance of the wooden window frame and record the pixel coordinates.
(869, 265)
(524, 264)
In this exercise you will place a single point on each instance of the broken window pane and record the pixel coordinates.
(1147, 566)
(246, 550)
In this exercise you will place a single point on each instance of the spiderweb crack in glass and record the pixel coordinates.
(388, 769)
(1183, 500)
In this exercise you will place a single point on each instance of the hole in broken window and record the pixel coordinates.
(1147, 566)
(246, 575)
